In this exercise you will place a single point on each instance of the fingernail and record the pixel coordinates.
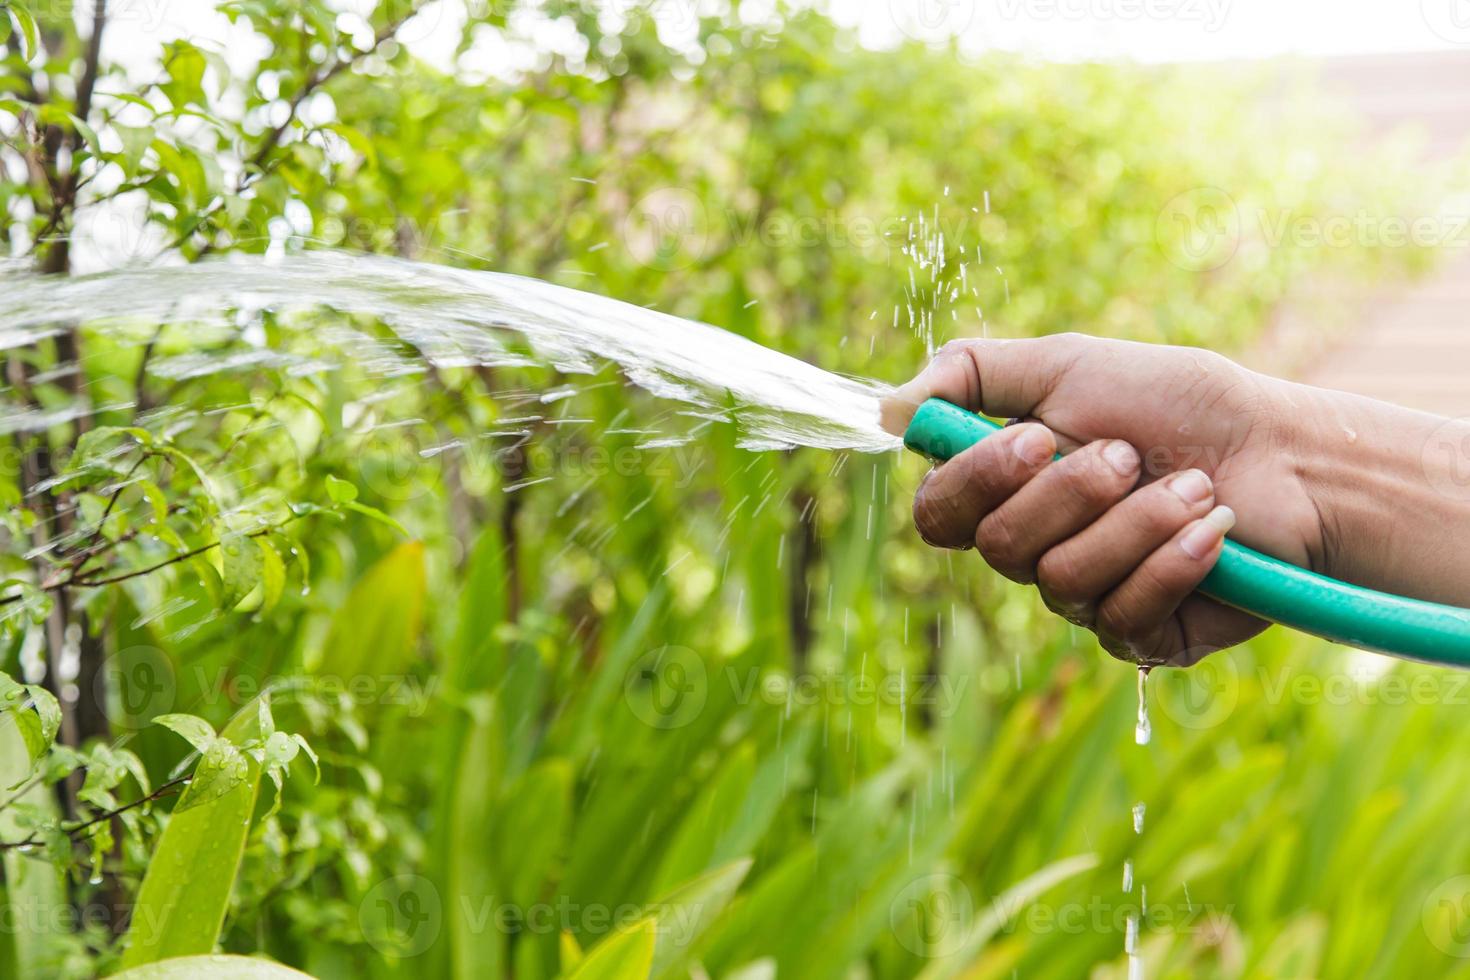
(1035, 444)
(1121, 457)
(1201, 539)
(896, 411)
(1191, 486)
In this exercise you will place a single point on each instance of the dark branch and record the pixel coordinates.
(74, 833)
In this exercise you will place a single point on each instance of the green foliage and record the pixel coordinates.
(185, 894)
(580, 703)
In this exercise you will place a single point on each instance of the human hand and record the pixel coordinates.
(1163, 447)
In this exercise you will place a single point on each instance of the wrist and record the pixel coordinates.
(1391, 490)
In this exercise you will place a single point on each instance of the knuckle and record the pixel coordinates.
(1060, 575)
(1117, 623)
(1067, 339)
(1156, 520)
(1091, 482)
(1002, 546)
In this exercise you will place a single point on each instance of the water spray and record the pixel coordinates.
(1263, 586)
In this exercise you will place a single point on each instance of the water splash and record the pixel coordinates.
(453, 318)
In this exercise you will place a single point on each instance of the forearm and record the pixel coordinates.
(1392, 490)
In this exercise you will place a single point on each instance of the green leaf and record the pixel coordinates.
(685, 913)
(378, 627)
(29, 883)
(306, 748)
(532, 824)
(272, 575)
(34, 605)
(376, 515)
(1006, 905)
(240, 568)
(88, 134)
(221, 769)
(625, 955)
(571, 952)
(707, 819)
(29, 34)
(275, 759)
(471, 871)
(185, 65)
(186, 889)
(340, 491)
(214, 967)
(37, 727)
(198, 732)
(135, 141)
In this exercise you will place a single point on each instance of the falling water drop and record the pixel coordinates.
(1142, 731)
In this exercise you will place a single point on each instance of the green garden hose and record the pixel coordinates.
(1261, 585)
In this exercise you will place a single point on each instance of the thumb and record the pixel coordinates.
(1000, 378)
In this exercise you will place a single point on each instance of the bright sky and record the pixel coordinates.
(1150, 30)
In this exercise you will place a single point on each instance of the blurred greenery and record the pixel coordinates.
(557, 702)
